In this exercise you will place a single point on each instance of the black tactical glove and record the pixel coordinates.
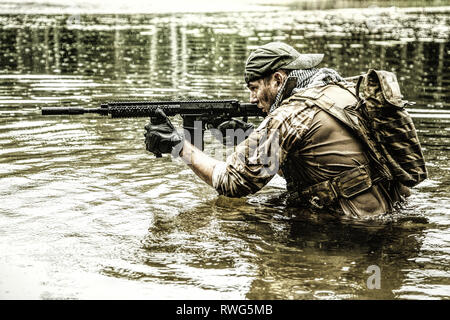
(161, 137)
(234, 124)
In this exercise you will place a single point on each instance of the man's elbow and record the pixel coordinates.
(235, 191)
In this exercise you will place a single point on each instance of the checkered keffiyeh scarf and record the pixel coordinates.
(308, 78)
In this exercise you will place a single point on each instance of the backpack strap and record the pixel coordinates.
(326, 100)
(358, 87)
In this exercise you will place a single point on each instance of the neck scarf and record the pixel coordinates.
(306, 78)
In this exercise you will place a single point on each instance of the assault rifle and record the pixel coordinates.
(198, 115)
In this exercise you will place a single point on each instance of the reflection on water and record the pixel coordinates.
(87, 213)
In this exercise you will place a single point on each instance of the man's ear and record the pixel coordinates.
(279, 77)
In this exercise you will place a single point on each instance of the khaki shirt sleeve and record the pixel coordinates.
(258, 158)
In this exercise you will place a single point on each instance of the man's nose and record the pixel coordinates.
(253, 98)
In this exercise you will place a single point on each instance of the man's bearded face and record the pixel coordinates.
(263, 92)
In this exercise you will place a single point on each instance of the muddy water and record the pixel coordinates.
(85, 212)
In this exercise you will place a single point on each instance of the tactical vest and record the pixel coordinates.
(380, 121)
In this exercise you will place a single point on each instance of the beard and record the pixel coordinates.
(268, 97)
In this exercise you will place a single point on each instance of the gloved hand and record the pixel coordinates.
(161, 137)
(234, 124)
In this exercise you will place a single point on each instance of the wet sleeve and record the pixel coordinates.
(258, 158)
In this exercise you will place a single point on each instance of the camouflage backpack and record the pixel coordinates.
(388, 128)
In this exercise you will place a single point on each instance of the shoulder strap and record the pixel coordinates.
(358, 87)
(333, 100)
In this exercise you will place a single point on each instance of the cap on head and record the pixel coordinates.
(277, 55)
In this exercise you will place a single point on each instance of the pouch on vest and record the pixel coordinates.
(347, 185)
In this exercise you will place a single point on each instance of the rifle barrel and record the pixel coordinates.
(72, 110)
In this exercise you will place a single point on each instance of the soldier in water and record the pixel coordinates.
(325, 166)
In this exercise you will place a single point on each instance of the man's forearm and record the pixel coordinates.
(202, 164)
